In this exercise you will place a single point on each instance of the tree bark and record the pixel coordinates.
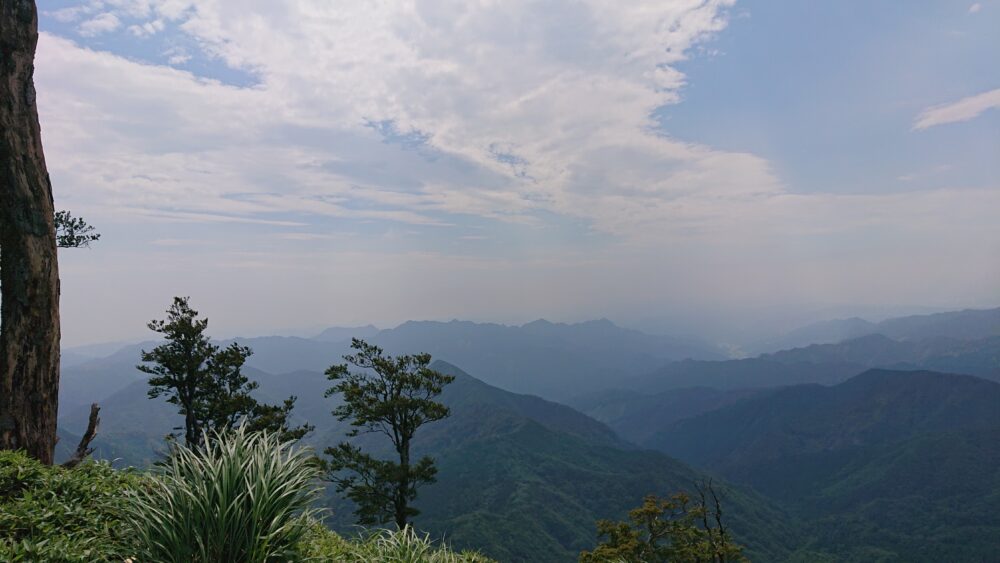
(29, 273)
(403, 484)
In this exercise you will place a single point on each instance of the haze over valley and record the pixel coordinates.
(821, 438)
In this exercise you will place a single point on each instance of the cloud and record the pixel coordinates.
(515, 137)
(424, 114)
(66, 15)
(177, 56)
(962, 110)
(147, 29)
(510, 125)
(99, 24)
(973, 9)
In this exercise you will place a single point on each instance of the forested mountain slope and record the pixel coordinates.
(905, 462)
(521, 478)
(515, 466)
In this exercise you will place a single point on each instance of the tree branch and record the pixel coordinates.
(83, 449)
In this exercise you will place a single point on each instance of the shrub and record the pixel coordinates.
(242, 497)
(60, 515)
(677, 529)
(404, 546)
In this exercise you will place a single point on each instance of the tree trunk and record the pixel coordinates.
(29, 274)
(192, 432)
(403, 484)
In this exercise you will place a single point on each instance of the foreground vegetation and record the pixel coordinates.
(55, 514)
(245, 498)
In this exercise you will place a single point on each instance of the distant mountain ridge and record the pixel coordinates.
(552, 360)
(979, 357)
(825, 364)
(341, 333)
(968, 324)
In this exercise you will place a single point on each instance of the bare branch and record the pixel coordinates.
(83, 449)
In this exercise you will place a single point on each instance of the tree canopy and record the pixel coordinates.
(678, 529)
(393, 396)
(207, 383)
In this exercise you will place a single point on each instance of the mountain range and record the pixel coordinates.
(909, 461)
(552, 360)
(511, 466)
(969, 324)
(859, 450)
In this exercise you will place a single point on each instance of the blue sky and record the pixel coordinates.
(827, 92)
(301, 163)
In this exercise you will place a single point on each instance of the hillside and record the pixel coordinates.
(741, 374)
(905, 461)
(637, 417)
(521, 478)
(516, 466)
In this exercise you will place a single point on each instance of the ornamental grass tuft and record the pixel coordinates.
(243, 496)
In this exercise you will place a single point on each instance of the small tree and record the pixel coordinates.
(393, 396)
(675, 530)
(73, 232)
(207, 383)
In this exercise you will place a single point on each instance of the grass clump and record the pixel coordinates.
(244, 496)
(62, 515)
(405, 546)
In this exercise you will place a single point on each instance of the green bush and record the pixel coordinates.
(60, 515)
(404, 546)
(243, 497)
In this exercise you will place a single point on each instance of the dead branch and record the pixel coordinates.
(83, 449)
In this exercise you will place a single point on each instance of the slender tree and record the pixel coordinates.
(29, 272)
(393, 396)
(207, 383)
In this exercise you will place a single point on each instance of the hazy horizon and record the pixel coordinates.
(712, 168)
(730, 334)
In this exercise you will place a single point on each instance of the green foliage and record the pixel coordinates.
(402, 546)
(393, 396)
(668, 530)
(73, 232)
(93, 513)
(244, 496)
(60, 515)
(207, 383)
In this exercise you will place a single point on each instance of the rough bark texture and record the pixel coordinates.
(29, 274)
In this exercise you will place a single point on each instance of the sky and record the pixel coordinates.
(305, 163)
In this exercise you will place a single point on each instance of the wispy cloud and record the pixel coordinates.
(99, 24)
(962, 110)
